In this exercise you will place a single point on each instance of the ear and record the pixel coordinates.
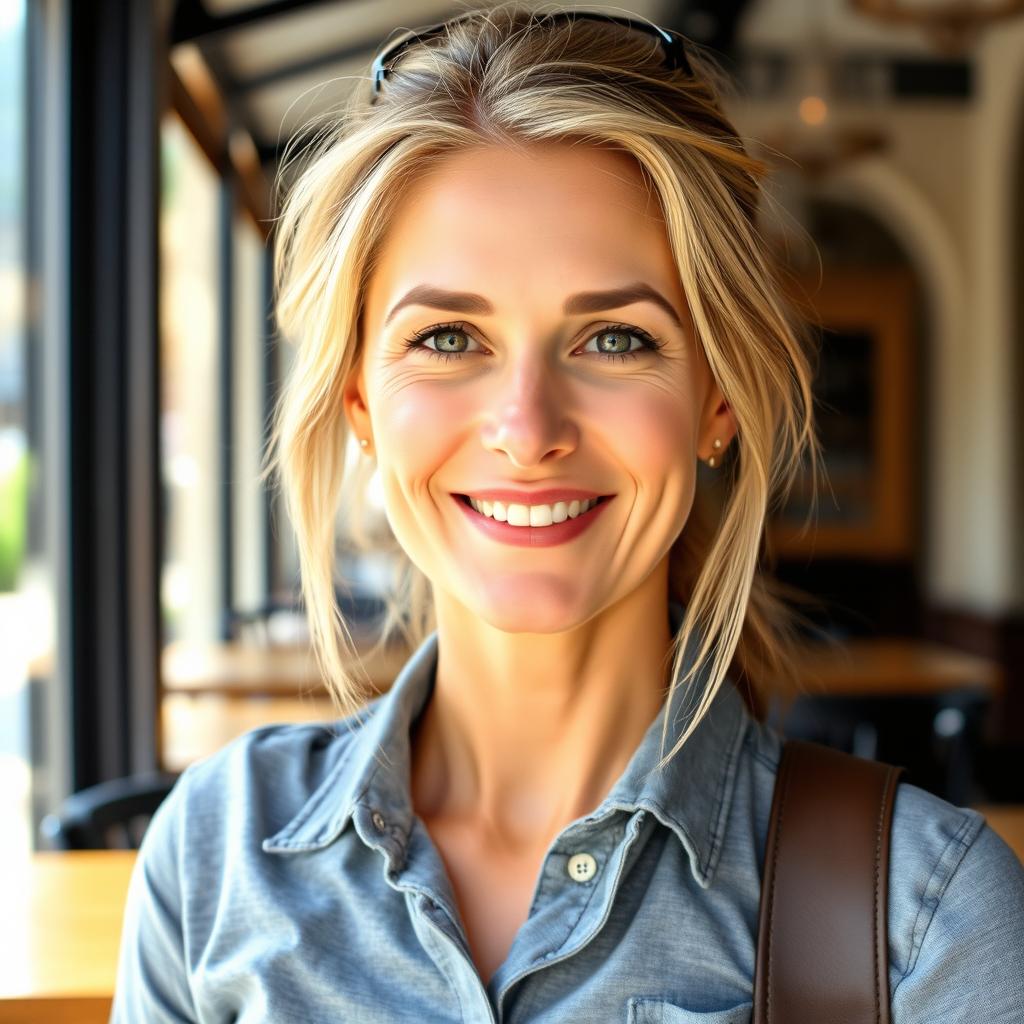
(353, 398)
(717, 422)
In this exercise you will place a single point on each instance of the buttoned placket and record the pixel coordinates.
(575, 889)
(581, 906)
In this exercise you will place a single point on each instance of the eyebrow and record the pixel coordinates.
(582, 302)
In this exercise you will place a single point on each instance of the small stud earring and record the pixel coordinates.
(716, 444)
(363, 443)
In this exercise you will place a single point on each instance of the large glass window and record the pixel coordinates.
(189, 419)
(25, 608)
(249, 588)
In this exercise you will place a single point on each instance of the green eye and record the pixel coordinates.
(647, 343)
(443, 333)
(438, 331)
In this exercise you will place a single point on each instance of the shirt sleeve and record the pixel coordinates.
(970, 963)
(152, 971)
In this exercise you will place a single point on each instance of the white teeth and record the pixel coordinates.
(532, 515)
(541, 515)
(519, 515)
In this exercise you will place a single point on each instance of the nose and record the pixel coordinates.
(532, 418)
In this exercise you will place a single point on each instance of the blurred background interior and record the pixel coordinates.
(149, 602)
(149, 606)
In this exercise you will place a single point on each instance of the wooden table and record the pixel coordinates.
(245, 670)
(862, 667)
(213, 693)
(893, 667)
(60, 935)
(898, 699)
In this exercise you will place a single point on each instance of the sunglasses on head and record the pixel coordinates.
(672, 42)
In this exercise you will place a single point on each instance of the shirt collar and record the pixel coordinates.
(691, 796)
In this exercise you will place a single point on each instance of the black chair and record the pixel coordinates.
(938, 738)
(110, 816)
(361, 608)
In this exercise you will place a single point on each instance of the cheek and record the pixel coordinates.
(415, 410)
(418, 428)
(654, 428)
(415, 420)
(654, 439)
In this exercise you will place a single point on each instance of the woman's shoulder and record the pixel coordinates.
(928, 833)
(257, 782)
(955, 900)
(201, 866)
(956, 913)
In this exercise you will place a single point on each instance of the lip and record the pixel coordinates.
(545, 497)
(532, 536)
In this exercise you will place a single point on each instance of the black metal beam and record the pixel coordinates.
(192, 22)
(113, 508)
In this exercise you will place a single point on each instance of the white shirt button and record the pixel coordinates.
(582, 867)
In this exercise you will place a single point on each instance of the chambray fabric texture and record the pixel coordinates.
(287, 880)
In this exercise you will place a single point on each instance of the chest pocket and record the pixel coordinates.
(643, 1010)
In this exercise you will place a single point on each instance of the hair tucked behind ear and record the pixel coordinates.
(505, 77)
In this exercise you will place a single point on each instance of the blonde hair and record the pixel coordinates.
(504, 76)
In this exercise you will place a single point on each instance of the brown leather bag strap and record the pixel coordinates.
(822, 944)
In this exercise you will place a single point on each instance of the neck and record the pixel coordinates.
(525, 732)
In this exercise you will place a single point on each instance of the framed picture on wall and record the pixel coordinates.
(866, 405)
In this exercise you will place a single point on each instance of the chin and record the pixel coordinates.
(528, 604)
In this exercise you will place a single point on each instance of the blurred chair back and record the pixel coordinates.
(110, 816)
(937, 738)
(283, 623)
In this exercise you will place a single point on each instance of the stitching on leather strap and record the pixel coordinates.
(788, 769)
(878, 894)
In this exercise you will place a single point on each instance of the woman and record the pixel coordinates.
(527, 278)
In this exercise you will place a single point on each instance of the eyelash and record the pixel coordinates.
(651, 343)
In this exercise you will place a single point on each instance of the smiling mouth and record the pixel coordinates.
(542, 531)
(464, 498)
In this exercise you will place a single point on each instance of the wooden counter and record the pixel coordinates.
(60, 936)
(212, 694)
(245, 670)
(893, 667)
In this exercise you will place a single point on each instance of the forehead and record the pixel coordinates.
(494, 218)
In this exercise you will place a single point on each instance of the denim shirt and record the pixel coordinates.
(287, 879)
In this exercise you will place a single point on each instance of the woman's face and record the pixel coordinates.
(530, 385)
